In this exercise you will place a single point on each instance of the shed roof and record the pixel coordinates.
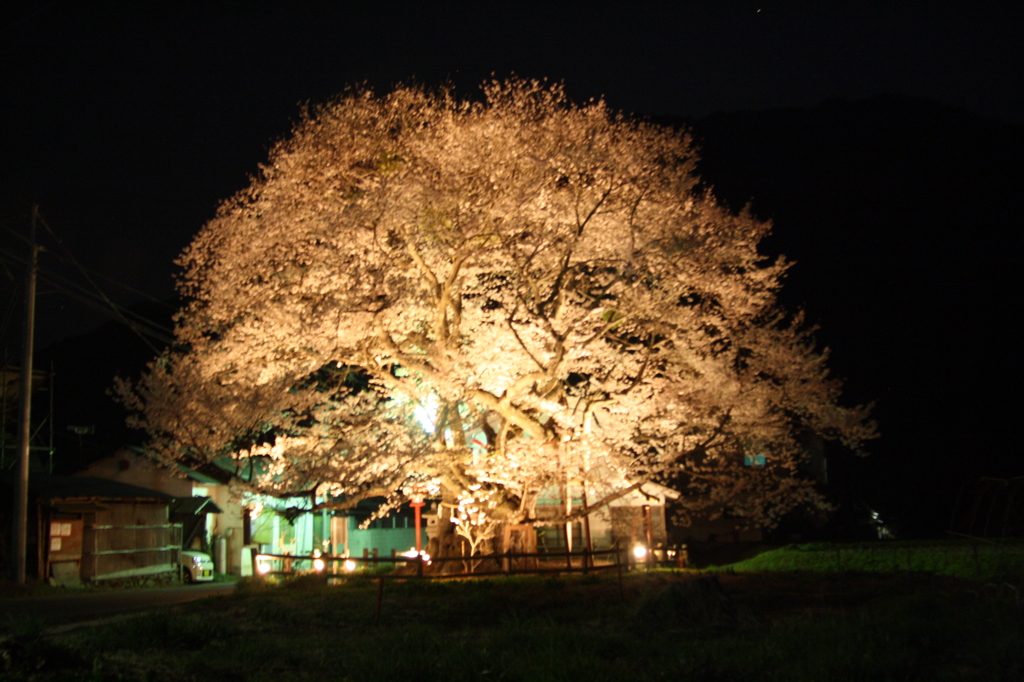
(82, 488)
(194, 505)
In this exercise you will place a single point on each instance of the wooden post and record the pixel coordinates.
(3, 417)
(380, 598)
(42, 565)
(649, 534)
(50, 419)
(506, 540)
(618, 569)
(24, 420)
(567, 526)
(588, 541)
(568, 546)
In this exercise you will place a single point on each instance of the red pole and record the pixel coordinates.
(417, 506)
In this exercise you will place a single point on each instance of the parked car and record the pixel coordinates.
(197, 566)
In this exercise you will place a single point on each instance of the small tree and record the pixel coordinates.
(510, 294)
(475, 522)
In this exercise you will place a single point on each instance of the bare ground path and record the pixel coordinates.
(62, 610)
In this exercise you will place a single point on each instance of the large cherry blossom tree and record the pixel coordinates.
(485, 299)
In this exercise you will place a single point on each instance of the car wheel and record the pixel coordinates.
(187, 578)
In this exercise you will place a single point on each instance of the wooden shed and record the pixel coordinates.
(94, 529)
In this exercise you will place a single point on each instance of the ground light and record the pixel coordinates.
(349, 565)
(412, 554)
(640, 552)
(318, 563)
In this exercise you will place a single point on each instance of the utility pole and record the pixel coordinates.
(24, 425)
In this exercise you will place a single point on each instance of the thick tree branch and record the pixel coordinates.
(513, 414)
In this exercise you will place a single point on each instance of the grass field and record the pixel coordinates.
(765, 625)
(976, 561)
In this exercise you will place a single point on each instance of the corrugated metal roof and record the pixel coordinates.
(206, 473)
(82, 488)
(194, 505)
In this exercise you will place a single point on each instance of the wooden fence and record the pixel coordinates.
(122, 551)
(511, 563)
(418, 568)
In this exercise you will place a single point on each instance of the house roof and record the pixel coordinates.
(193, 506)
(83, 488)
(208, 474)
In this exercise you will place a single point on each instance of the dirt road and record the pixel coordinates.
(67, 609)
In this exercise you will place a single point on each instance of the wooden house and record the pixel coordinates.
(215, 526)
(91, 530)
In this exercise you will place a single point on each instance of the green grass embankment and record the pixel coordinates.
(957, 559)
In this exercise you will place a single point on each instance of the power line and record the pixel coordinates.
(53, 275)
(95, 273)
(140, 324)
(140, 330)
(62, 283)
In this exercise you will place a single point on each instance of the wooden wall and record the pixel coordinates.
(128, 539)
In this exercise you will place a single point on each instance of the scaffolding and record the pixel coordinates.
(10, 399)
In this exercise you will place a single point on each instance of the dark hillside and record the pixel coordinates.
(85, 367)
(902, 217)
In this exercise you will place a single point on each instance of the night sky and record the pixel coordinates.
(128, 123)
